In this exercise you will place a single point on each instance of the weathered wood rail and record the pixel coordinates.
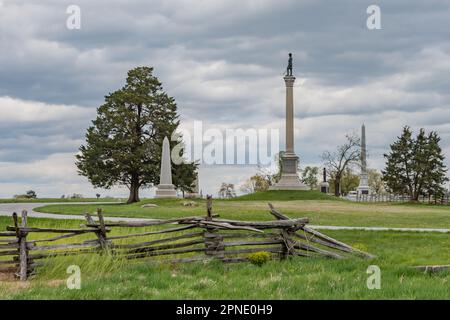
(191, 239)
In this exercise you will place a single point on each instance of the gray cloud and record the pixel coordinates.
(222, 61)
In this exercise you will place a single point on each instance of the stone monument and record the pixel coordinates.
(289, 161)
(363, 187)
(165, 189)
(324, 186)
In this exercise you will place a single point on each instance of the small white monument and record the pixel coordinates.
(363, 187)
(165, 189)
(289, 178)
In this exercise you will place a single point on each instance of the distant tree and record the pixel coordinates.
(98, 195)
(227, 190)
(279, 160)
(416, 165)
(336, 162)
(124, 144)
(376, 182)
(63, 196)
(28, 195)
(31, 194)
(349, 181)
(255, 183)
(184, 177)
(309, 177)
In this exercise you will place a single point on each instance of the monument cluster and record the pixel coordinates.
(289, 179)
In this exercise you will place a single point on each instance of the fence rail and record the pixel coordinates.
(192, 239)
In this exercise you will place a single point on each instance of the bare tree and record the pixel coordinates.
(227, 190)
(337, 161)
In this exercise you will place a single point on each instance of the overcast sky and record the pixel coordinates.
(223, 63)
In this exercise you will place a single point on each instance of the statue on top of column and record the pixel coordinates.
(289, 66)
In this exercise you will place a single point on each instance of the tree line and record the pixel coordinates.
(124, 144)
(414, 166)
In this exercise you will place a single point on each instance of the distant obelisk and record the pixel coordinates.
(363, 187)
(289, 178)
(165, 188)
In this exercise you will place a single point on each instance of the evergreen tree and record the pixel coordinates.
(124, 143)
(415, 166)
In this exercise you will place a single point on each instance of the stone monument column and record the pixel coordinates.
(289, 81)
(289, 161)
(165, 188)
(363, 187)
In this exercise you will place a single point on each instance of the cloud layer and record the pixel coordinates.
(223, 62)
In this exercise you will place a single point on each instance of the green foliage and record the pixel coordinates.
(259, 258)
(349, 181)
(124, 143)
(415, 166)
(28, 195)
(309, 177)
(256, 183)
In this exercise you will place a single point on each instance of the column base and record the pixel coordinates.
(325, 187)
(289, 178)
(289, 182)
(166, 191)
(363, 190)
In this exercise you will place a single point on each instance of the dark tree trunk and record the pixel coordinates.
(134, 190)
(337, 187)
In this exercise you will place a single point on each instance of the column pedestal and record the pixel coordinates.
(289, 178)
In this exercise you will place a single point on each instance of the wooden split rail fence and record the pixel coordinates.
(186, 239)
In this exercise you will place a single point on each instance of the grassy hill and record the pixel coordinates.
(285, 195)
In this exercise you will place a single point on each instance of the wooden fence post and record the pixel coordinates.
(22, 241)
(101, 229)
(213, 240)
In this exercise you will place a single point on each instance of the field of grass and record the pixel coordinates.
(296, 278)
(48, 200)
(321, 211)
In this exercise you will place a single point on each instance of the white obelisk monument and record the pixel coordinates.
(165, 188)
(289, 178)
(363, 187)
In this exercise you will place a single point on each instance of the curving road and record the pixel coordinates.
(6, 209)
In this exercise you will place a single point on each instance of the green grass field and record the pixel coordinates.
(296, 278)
(321, 209)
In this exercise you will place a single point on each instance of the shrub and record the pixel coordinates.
(259, 258)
